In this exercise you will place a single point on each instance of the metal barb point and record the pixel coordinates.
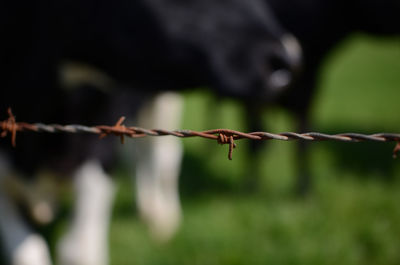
(396, 150)
(227, 139)
(118, 129)
(10, 126)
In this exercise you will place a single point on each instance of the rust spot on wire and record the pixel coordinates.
(118, 129)
(10, 126)
(396, 149)
(223, 136)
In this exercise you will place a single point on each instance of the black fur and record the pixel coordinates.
(146, 45)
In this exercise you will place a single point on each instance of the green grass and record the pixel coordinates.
(351, 217)
(345, 225)
(361, 85)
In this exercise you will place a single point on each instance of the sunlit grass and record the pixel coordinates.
(361, 86)
(345, 222)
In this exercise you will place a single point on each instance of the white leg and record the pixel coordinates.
(86, 242)
(158, 167)
(22, 246)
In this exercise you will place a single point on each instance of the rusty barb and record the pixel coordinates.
(222, 136)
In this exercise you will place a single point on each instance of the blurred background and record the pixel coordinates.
(350, 217)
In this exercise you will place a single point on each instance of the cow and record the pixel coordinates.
(234, 47)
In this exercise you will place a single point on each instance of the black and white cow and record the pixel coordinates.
(234, 47)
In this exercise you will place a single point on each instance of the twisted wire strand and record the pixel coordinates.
(222, 136)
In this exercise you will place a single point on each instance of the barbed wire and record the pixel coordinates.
(222, 136)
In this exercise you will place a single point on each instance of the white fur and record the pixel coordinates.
(158, 167)
(21, 244)
(292, 47)
(32, 251)
(86, 241)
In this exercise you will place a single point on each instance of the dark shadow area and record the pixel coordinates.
(362, 158)
(2, 257)
(124, 207)
(196, 179)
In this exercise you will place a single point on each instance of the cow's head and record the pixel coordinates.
(240, 46)
(235, 46)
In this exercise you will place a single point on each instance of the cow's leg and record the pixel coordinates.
(21, 244)
(158, 167)
(304, 180)
(254, 124)
(300, 104)
(86, 241)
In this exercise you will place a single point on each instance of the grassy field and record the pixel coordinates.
(351, 217)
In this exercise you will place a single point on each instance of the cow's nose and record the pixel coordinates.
(284, 63)
(281, 73)
(280, 79)
(293, 52)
